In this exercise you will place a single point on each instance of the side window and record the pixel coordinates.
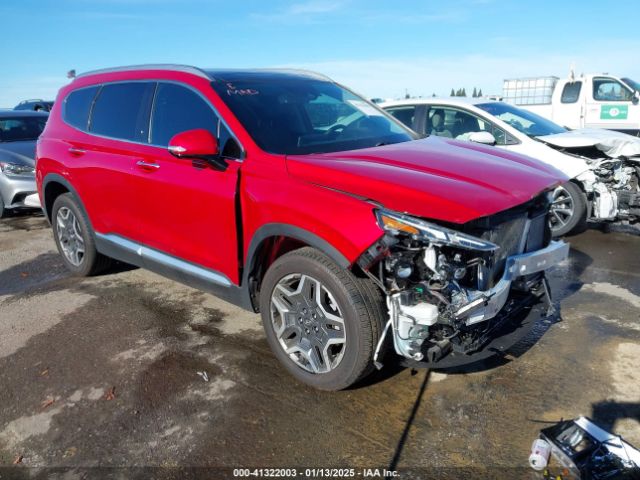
(178, 109)
(440, 122)
(121, 111)
(571, 92)
(405, 114)
(453, 123)
(77, 105)
(610, 90)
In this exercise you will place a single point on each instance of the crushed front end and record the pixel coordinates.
(451, 290)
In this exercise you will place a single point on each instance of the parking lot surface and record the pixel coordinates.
(103, 371)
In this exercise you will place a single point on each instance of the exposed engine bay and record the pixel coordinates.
(448, 291)
(612, 184)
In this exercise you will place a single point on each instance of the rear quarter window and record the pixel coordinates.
(121, 110)
(77, 106)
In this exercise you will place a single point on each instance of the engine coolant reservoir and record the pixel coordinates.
(423, 313)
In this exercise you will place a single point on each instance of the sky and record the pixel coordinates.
(379, 48)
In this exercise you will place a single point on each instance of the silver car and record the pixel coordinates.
(19, 131)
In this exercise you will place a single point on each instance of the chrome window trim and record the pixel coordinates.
(243, 151)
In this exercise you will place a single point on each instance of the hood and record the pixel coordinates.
(434, 178)
(610, 143)
(21, 153)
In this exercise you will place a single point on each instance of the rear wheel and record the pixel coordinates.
(74, 238)
(568, 213)
(321, 321)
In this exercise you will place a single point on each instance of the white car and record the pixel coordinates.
(603, 165)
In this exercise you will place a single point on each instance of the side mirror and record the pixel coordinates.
(198, 144)
(635, 98)
(482, 137)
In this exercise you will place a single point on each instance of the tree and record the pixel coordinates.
(453, 94)
(475, 93)
(463, 93)
(479, 93)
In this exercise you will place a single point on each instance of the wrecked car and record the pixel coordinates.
(285, 193)
(603, 165)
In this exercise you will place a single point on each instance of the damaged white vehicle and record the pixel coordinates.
(603, 165)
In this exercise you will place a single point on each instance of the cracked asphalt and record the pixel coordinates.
(107, 372)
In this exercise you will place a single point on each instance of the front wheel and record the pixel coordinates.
(568, 213)
(321, 321)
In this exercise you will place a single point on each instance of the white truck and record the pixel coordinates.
(587, 101)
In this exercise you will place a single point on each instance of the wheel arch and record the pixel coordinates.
(55, 185)
(273, 240)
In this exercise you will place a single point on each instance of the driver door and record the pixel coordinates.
(609, 105)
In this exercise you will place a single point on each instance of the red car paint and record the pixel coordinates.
(434, 178)
(218, 213)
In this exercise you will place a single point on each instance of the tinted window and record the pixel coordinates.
(178, 109)
(405, 114)
(299, 115)
(77, 106)
(21, 128)
(571, 92)
(610, 90)
(121, 110)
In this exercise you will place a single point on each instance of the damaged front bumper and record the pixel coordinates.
(481, 307)
(452, 294)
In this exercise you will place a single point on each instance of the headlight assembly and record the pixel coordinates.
(398, 223)
(16, 169)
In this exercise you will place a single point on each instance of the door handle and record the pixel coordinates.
(76, 151)
(147, 165)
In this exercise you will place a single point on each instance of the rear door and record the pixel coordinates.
(187, 208)
(103, 159)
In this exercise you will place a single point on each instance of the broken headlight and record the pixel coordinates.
(396, 223)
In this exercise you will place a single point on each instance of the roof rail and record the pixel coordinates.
(162, 66)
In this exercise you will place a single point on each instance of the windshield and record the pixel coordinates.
(632, 83)
(17, 129)
(301, 115)
(522, 120)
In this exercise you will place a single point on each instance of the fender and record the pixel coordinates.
(54, 177)
(282, 229)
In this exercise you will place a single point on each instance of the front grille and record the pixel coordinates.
(506, 229)
(508, 235)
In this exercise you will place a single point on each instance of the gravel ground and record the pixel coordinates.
(98, 378)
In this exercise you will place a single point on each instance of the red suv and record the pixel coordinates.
(286, 193)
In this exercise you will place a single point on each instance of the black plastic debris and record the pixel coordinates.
(591, 453)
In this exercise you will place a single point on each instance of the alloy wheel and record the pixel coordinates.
(308, 323)
(562, 208)
(70, 236)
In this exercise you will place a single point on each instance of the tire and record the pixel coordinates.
(568, 197)
(90, 262)
(357, 301)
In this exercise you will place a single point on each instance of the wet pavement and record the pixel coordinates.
(103, 372)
